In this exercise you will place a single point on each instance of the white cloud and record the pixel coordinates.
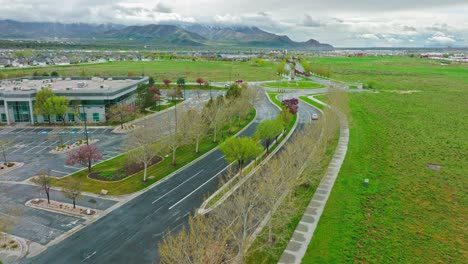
(339, 22)
(441, 38)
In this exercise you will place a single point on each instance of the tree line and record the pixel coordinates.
(262, 205)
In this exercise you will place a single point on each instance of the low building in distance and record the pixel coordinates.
(95, 95)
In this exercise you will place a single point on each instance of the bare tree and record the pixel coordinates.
(214, 113)
(195, 125)
(142, 147)
(72, 190)
(45, 182)
(4, 146)
(202, 242)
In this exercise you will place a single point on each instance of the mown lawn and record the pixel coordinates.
(294, 85)
(310, 101)
(409, 213)
(209, 70)
(155, 173)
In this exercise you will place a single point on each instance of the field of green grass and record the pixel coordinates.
(409, 213)
(209, 70)
(294, 85)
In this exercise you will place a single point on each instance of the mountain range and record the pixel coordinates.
(195, 35)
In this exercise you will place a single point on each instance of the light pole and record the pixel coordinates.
(85, 126)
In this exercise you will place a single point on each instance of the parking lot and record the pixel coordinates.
(32, 146)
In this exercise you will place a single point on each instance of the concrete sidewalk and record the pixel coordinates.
(302, 236)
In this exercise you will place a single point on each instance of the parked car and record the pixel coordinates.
(315, 117)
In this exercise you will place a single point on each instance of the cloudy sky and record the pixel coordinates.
(343, 23)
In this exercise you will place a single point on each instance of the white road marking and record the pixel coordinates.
(67, 166)
(41, 150)
(112, 152)
(61, 172)
(176, 187)
(222, 157)
(89, 256)
(181, 200)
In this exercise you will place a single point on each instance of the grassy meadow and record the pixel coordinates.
(409, 213)
(294, 85)
(220, 71)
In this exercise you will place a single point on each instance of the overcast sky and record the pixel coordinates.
(343, 23)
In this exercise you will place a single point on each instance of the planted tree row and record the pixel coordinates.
(261, 208)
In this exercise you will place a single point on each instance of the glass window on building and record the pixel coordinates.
(96, 117)
(59, 118)
(83, 116)
(4, 118)
(71, 117)
(35, 118)
(46, 118)
(20, 111)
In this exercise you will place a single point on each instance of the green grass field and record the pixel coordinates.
(172, 69)
(409, 213)
(294, 85)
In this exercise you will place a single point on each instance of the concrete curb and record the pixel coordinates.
(304, 232)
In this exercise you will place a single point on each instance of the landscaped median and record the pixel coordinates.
(238, 179)
(133, 183)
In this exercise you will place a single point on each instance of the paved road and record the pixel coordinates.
(130, 233)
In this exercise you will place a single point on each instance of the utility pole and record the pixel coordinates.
(86, 127)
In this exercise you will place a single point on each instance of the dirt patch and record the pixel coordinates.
(122, 173)
(433, 167)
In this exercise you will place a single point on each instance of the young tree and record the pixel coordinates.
(84, 155)
(150, 81)
(143, 147)
(240, 150)
(181, 82)
(200, 81)
(4, 146)
(167, 82)
(196, 128)
(121, 113)
(268, 130)
(234, 91)
(57, 105)
(40, 102)
(72, 190)
(214, 113)
(291, 104)
(45, 182)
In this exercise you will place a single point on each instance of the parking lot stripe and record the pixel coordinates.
(41, 150)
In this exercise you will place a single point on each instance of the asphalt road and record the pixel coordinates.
(130, 233)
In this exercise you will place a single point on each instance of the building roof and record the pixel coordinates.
(70, 87)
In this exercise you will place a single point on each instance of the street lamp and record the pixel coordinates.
(86, 127)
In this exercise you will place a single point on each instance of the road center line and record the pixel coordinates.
(222, 157)
(176, 187)
(181, 200)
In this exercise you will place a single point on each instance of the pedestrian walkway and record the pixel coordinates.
(302, 236)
